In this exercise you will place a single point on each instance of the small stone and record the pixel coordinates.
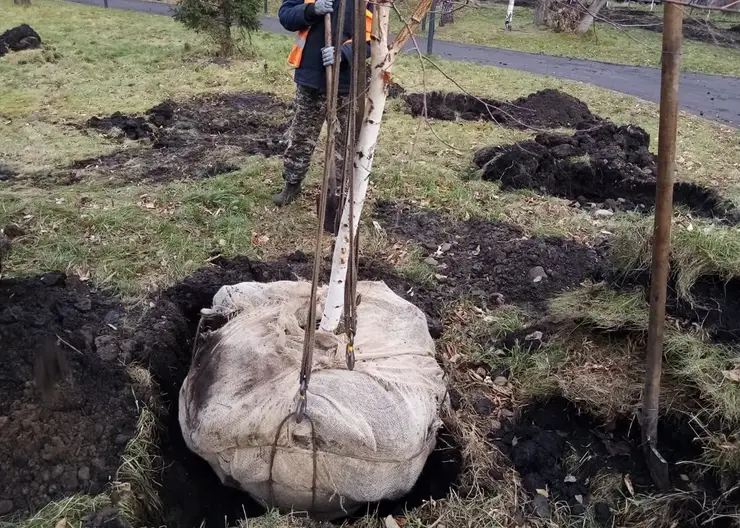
(483, 406)
(6, 506)
(498, 299)
(537, 274)
(500, 381)
(84, 304)
(481, 372)
(53, 279)
(121, 439)
(495, 425)
(603, 213)
(541, 507)
(83, 474)
(430, 261)
(534, 336)
(98, 463)
(69, 480)
(106, 347)
(57, 472)
(445, 247)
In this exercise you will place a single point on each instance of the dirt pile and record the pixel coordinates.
(163, 341)
(543, 109)
(19, 38)
(208, 135)
(489, 261)
(608, 165)
(6, 174)
(694, 28)
(70, 440)
(569, 455)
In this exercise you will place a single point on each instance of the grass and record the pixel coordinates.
(483, 24)
(698, 249)
(690, 359)
(136, 239)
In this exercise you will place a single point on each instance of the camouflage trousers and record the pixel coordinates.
(309, 117)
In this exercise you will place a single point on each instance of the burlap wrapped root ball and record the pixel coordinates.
(373, 427)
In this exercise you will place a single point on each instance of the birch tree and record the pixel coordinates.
(509, 15)
(383, 56)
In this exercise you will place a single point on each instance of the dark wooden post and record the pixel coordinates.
(671, 58)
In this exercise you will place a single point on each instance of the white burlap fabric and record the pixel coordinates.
(373, 427)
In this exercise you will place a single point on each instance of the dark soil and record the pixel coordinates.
(195, 139)
(694, 27)
(715, 304)
(59, 436)
(6, 174)
(609, 165)
(557, 448)
(544, 109)
(190, 490)
(19, 38)
(490, 262)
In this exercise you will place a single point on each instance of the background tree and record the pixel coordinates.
(575, 16)
(216, 18)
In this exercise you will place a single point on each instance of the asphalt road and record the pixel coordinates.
(712, 96)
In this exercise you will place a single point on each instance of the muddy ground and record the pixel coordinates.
(545, 109)
(488, 262)
(695, 27)
(194, 139)
(19, 38)
(609, 166)
(574, 458)
(68, 438)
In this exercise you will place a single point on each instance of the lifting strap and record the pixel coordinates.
(332, 89)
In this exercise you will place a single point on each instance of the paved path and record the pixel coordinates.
(712, 96)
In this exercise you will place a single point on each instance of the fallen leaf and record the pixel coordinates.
(390, 522)
(732, 375)
(628, 483)
(543, 492)
(579, 498)
(570, 478)
(62, 523)
(514, 441)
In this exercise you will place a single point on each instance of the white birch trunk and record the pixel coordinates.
(509, 15)
(382, 59)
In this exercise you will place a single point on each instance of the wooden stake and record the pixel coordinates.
(672, 36)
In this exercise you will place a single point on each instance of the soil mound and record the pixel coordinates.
(490, 261)
(191, 492)
(694, 28)
(567, 454)
(608, 164)
(543, 109)
(19, 38)
(6, 174)
(208, 135)
(69, 439)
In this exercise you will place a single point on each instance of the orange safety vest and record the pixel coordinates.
(296, 54)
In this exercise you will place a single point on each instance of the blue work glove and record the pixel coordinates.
(327, 55)
(323, 7)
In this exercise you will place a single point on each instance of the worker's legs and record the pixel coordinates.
(308, 118)
(340, 140)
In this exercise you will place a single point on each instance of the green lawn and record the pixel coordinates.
(484, 25)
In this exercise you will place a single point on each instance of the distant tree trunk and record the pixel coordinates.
(540, 12)
(588, 19)
(448, 13)
(509, 15)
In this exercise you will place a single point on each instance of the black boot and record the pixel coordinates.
(289, 193)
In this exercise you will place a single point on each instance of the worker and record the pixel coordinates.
(310, 57)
